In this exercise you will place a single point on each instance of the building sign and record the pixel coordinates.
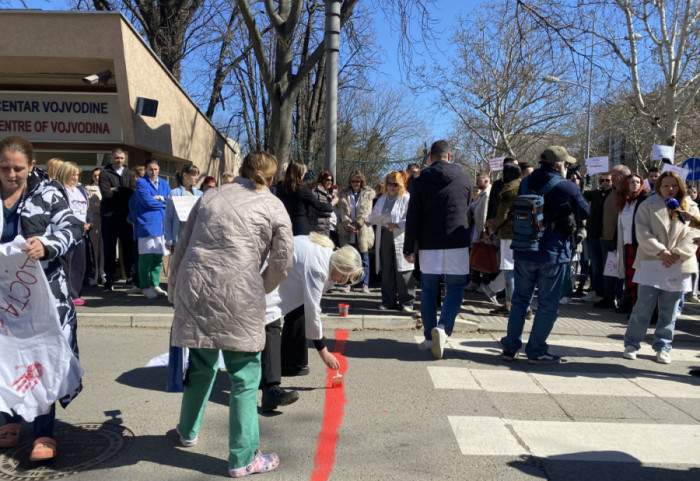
(61, 116)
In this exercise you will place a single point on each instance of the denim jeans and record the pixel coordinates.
(647, 298)
(597, 263)
(548, 278)
(365, 264)
(454, 293)
(509, 274)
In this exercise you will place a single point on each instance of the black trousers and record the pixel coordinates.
(75, 258)
(113, 229)
(271, 359)
(294, 348)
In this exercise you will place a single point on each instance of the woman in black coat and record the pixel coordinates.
(298, 199)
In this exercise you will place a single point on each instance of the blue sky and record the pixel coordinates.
(445, 12)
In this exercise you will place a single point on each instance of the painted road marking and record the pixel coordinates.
(582, 441)
(333, 411)
(573, 348)
(577, 383)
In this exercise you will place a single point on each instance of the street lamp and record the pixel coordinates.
(555, 80)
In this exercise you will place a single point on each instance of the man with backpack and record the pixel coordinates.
(545, 217)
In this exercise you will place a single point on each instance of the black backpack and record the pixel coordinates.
(528, 217)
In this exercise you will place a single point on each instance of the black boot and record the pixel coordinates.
(273, 396)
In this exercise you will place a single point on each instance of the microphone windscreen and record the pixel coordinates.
(672, 203)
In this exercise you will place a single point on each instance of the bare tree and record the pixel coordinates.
(494, 85)
(655, 43)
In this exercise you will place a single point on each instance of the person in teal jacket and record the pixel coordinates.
(148, 216)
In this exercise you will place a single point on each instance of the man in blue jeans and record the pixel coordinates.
(437, 221)
(564, 208)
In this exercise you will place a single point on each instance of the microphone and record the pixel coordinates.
(673, 205)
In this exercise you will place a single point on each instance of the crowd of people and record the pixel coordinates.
(630, 242)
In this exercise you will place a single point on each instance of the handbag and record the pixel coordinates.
(483, 257)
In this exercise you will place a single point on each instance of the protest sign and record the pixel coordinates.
(37, 366)
(597, 165)
(496, 163)
(183, 205)
(682, 173)
(659, 152)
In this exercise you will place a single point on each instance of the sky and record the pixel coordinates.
(445, 13)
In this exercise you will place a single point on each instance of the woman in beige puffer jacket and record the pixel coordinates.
(219, 297)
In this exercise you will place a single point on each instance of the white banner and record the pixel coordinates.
(682, 173)
(659, 152)
(61, 116)
(37, 366)
(597, 165)
(496, 163)
(183, 205)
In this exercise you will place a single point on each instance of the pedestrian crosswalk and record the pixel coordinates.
(639, 438)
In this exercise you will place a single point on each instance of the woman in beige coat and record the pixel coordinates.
(354, 206)
(663, 266)
(219, 297)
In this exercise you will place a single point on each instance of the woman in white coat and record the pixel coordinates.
(664, 264)
(389, 216)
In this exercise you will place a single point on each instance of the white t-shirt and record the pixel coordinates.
(445, 261)
(78, 203)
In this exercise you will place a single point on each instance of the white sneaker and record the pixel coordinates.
(591, 297)
(439, 338)
(160, 291)
(630, 353)
(407, 309)
(135, 290)
(564, 300)
(425, 345)
(150, 293)
(663, 357)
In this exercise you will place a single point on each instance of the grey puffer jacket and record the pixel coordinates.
(321, 221)
(215, 279)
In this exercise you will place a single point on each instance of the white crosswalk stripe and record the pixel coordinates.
(631, 440)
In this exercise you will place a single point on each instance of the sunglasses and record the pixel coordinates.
(328, 179)
(392, 184)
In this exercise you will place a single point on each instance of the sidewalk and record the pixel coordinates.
(118, 309)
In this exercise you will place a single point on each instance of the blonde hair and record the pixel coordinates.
(399, 179)
(139, 170)
(227, 178)
(345, 260)
(259, 167)
(52, 167)
(65, 170)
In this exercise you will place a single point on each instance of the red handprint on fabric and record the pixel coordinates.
(29, 379)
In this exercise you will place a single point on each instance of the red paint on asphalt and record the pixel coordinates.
(333, 410)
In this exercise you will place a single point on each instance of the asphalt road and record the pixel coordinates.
(408, 416)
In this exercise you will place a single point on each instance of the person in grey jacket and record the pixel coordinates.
(219, 296)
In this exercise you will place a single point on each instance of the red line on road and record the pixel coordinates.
(333, 410)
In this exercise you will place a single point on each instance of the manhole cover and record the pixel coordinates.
(81, 447)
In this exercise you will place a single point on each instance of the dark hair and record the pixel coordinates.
(96, 169)
(653, 169)
(150, 161)
(15, 143)
(118, 150)
(509, 160)
(510, 172)
(323, 175)
(412, 166)
(293, 177)
(189, 168)
(524, 165)
(439, 147)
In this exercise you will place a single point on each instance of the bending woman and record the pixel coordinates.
(219, 297)
(316, 267)
(37, 211)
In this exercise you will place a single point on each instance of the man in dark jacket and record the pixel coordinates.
(544, 269)
(115, 185)
(437, 221)
(594, 228)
